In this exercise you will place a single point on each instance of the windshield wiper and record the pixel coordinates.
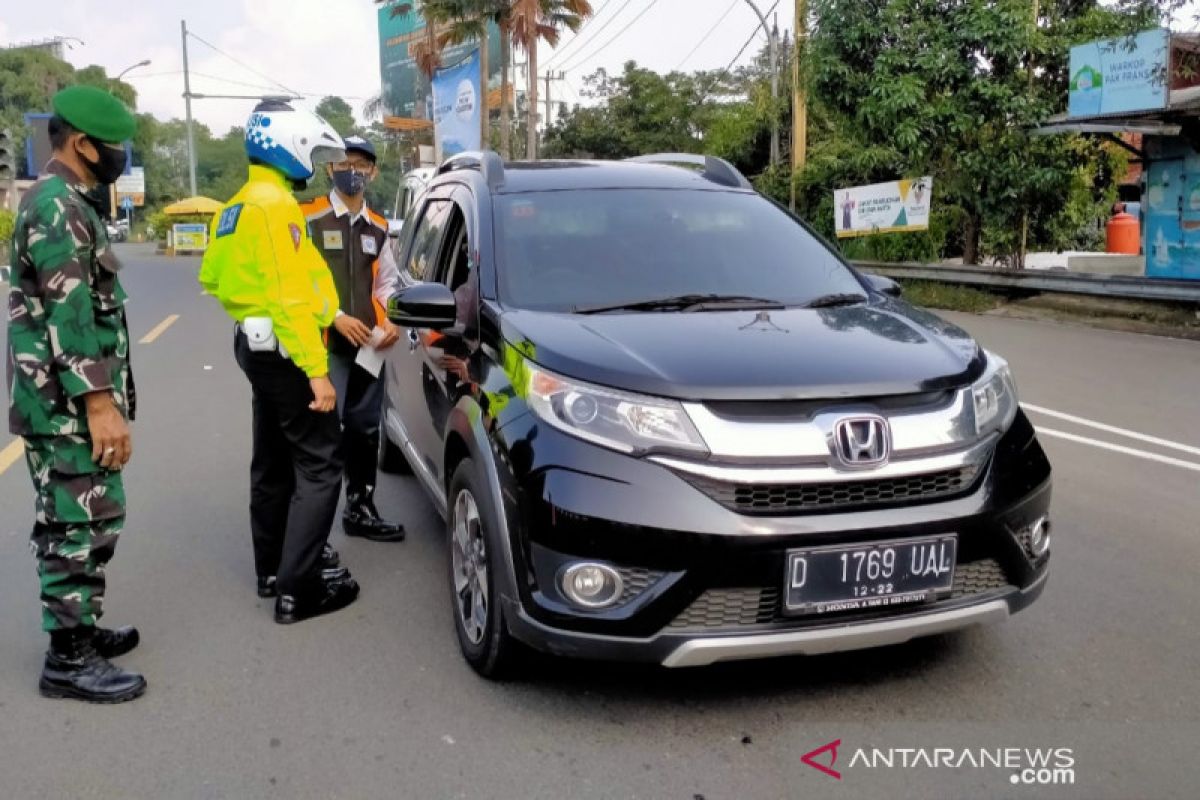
(684, 302)
(832, 300)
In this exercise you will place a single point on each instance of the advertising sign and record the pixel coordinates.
(406, 90)
(456, 107)
(132, 186)
(1120, 75)
(191, 236)
(892, 207)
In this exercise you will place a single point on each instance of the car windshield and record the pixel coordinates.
(588, 249)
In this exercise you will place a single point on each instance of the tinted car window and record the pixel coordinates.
(425, 241)
(559, 250)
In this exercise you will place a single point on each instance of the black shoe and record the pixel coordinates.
(329, 557)
(333, 596)
(111, 644)
(362, 519)
(74, 669)
(267, 585)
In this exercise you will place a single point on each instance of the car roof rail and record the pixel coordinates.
(488, 162)
(717, 170)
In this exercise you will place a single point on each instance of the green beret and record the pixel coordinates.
(95, 112)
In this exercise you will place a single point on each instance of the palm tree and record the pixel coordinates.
(534, 21)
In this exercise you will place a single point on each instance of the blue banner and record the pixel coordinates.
(1120, 75)
(456, 107)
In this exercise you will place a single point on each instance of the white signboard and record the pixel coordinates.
(882, 208)
(133, 186)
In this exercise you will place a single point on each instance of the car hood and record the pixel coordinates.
(869, 350)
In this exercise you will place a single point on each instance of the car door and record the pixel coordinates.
(406, 372)
(444, 354)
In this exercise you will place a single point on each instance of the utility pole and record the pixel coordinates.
(187, 99)
(551, 77)
(773, 48)
(799, 98)
(531, 133)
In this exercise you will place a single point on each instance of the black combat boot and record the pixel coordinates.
(361, 518)
(111, 644)
(329, 571)
(267, 586)
(329, 597)
(75, 669)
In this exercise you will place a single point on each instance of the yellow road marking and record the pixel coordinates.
(158, 329)
(10, 454)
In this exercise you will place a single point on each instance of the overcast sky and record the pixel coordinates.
(323, 47)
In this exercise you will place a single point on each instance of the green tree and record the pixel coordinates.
(951, 88)
(337, 112)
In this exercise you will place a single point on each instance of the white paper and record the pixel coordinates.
(370, 357)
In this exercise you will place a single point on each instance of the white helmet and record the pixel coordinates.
(292, 140)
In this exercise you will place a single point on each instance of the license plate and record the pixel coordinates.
(820, 580)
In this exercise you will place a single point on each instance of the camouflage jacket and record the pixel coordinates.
(67, 333)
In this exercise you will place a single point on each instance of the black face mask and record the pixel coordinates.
(109, 166)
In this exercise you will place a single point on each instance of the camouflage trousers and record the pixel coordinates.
(80, 510)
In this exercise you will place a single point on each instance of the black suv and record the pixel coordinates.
(665, 421)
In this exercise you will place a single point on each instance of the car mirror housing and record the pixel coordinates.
(423, 305)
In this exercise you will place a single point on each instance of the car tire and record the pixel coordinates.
(472, 534)
(391, 457)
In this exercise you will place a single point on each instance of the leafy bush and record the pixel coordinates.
(7, 223)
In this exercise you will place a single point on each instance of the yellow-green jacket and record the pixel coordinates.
(261, 263)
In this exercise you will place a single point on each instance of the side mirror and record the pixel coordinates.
(423, 305)
(884, 285)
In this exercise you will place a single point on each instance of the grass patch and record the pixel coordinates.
(949, 296)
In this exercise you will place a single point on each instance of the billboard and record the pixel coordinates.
(405, 89)
(132, 185)
(1118, 76)
(893, 207)
(190, 236)
(456, 107)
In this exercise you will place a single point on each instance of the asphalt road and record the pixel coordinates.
(375, 702)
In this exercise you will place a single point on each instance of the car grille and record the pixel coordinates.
(636, 580)
(800, 498)
(740, 607)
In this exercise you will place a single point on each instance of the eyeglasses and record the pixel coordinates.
(356, 165)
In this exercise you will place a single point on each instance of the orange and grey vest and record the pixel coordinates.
(352, 250)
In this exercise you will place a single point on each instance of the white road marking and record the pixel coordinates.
(1116, 448)
(158, 329)
(10, 454)
(1100, 426)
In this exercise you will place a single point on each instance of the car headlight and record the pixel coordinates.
(630, 423)
(995, 396)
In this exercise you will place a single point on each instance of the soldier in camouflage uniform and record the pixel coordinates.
(71, 391)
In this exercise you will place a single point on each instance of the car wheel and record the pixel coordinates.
(391, 457)
(474, 562)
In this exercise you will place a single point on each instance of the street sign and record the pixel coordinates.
(132, 186)
(127, 203)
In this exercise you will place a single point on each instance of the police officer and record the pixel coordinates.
(265, 271)
(71, 391)
(353, 240)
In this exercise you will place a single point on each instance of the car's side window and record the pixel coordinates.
(453, 265)
(422, 254)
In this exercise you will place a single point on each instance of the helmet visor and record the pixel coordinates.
(327, 154)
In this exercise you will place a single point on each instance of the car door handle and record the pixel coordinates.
(413, 340)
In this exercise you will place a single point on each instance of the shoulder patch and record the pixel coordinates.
(378, 221)
(229, 220)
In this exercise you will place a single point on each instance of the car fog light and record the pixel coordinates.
(1037, 538)
(592, 585)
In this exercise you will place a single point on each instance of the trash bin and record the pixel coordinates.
(1124, 235)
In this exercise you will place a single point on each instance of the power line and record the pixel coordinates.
(604, 46)
(710, 33)
(576, 38)
(242, 64)
(751, 39)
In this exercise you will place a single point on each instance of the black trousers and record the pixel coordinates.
(360, 405)
(295, 473)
